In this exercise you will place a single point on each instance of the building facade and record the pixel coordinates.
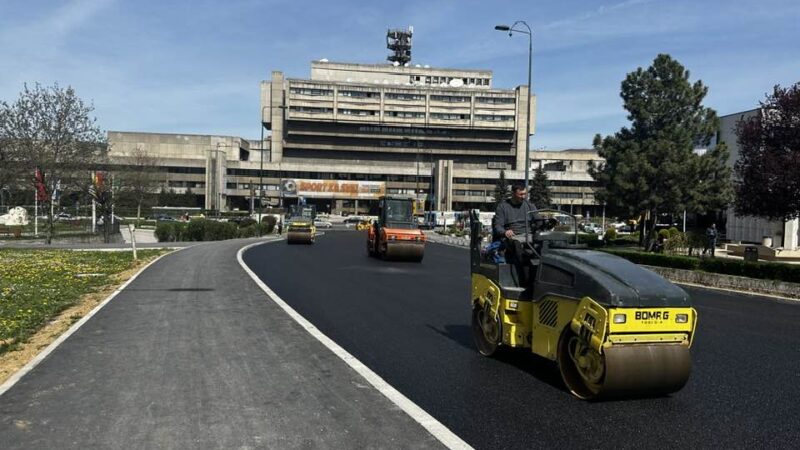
(749, 228)
(352, 132)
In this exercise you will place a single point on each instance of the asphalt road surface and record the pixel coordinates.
(192, 354)
(410, 324)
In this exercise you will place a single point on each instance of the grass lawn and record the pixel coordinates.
(35, 285)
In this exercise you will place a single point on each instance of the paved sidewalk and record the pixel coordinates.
(193, 355)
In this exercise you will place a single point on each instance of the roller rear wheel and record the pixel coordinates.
(486, 330)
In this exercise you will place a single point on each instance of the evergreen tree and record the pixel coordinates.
(539, 191)
(651, 166)
(500, 189)
(768, 170)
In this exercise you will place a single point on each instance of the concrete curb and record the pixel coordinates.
(729, 282)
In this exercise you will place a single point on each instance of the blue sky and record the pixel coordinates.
(194, 66)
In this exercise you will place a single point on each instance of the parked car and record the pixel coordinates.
(64, 216)
(322, 224)
(165, 218)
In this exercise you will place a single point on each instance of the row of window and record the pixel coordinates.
(447, 80)
(311, 91)
(187, 184)
(469, 193)
(357, 112)
(449, 116)
(488, 118)
(359, 94)
(311, 110)
(405, 114)
(323, 175)
(403, 96)
(175, 169)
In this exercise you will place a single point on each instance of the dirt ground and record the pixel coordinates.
(14, 360)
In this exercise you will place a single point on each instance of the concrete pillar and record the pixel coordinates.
(277, 113)
(791, 233)
(443, 182)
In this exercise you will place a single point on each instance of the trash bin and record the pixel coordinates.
(766, 241)
(751, 254)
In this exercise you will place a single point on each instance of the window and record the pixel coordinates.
(448, 116)
(406, 114)
(449, 98)
(310, 110)
(557, 166)
(310, 91)
(488, 118)
(230, 185)
(359, 94)
(460, 192)
(496, 100)
(403, 96)
(198, 170)
(356, 112)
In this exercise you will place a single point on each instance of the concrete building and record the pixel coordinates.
(355, 131)
(749, 228)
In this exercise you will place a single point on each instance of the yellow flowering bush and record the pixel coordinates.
(35, 285)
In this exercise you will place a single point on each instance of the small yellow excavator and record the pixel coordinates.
(301, 229)
(614, 328)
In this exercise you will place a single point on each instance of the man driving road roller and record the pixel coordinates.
(510, 223)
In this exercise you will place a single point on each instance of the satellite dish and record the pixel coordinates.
(323, 60)
(417, 66)
(396, 63)
(426, 66)
(405, 65)
(456, 82)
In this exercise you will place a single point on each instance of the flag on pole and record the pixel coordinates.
(41, 192)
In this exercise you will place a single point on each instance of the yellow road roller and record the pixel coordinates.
(615, 329)
(395, 235)
(301, 229)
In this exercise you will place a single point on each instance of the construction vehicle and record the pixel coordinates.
(615, 329)
(364, 225)
(301, 229)
(395, 235)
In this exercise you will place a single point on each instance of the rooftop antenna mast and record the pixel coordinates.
(399, 42)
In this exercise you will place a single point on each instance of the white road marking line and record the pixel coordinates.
(436, 428)
(50, 348)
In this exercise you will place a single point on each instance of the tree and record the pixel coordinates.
(141, 177)
(51, 136)
(539, 191)
(500, 189)
(767, 180)
(652, 166)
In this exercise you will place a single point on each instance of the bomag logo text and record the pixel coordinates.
(652, 315)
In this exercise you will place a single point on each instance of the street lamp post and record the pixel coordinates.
(511, 30)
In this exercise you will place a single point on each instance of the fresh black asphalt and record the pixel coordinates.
(410, 323)
(193, 355)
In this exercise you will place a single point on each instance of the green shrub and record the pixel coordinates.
(171, 231)
(248, 232)
(247, 222)
(220, 231)
(656, 259)
(663, 234)
(610, 234)
(268, 224)
(762, 270)
(673, 232)
(196, 229)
